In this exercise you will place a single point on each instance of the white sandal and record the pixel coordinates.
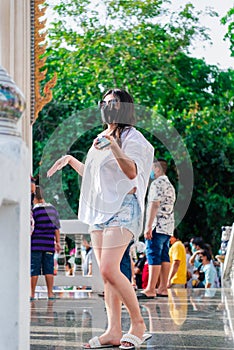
(94, 343)
(134, 340)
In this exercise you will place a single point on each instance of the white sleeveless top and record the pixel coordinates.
(104, 185)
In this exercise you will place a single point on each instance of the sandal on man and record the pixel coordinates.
(94, 343)
(162, 295)
(133, 340)
(143, 296)
(53, 297)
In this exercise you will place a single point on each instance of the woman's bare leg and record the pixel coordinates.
(113, 333)
(114, 244)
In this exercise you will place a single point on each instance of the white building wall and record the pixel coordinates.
(15, 40)
(15, 166)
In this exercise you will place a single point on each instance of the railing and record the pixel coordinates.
(228, 267)
(75, 229)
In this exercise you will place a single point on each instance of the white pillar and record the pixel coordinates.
(15, 39)
(15, 245)
(14, 222)
(15, 165)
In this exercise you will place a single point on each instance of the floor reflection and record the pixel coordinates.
(187, 319)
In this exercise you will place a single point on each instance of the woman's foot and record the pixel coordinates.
(107, 339)
(137, 329)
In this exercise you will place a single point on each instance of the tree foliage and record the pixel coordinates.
(127, 46)
(228, 19)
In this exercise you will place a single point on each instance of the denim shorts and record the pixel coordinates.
(157, 248)
(42, 263)
(129, 217)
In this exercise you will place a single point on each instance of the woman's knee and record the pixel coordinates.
(107, 272)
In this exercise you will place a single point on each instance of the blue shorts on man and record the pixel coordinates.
(157, 248)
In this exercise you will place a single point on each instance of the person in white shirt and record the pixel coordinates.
(208, 269)
(114, 184)
(189, 266)
(159, 228)
(88, 258)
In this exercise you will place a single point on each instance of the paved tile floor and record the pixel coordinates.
(187, 319)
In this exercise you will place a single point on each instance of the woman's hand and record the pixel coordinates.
(113, 142)
(126, 164)
(59, 164)
(105, 142)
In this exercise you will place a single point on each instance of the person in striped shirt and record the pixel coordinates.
(45, 240)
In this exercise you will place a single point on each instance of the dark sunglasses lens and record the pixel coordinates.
(102, 104)
(114, 101)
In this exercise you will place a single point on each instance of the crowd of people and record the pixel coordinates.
(187, 270)
(115, 179)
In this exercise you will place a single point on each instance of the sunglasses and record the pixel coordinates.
(104, 104)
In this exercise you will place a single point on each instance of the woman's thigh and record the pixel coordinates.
(96, 239)
(110, 246)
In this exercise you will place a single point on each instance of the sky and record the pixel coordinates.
(218, 53)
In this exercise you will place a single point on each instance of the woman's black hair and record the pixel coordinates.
(126, 117)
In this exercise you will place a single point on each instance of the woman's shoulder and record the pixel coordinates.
(135, 135)
(132, 132)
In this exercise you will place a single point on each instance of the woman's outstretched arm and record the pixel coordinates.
(63, 161)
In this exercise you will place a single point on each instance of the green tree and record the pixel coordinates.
(228, 19)
(128, 47)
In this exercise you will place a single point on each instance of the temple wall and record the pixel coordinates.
(15, 163)
(15, 53)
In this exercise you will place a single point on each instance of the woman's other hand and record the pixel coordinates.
(59, 164)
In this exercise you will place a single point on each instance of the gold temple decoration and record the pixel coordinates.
(38, 48)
